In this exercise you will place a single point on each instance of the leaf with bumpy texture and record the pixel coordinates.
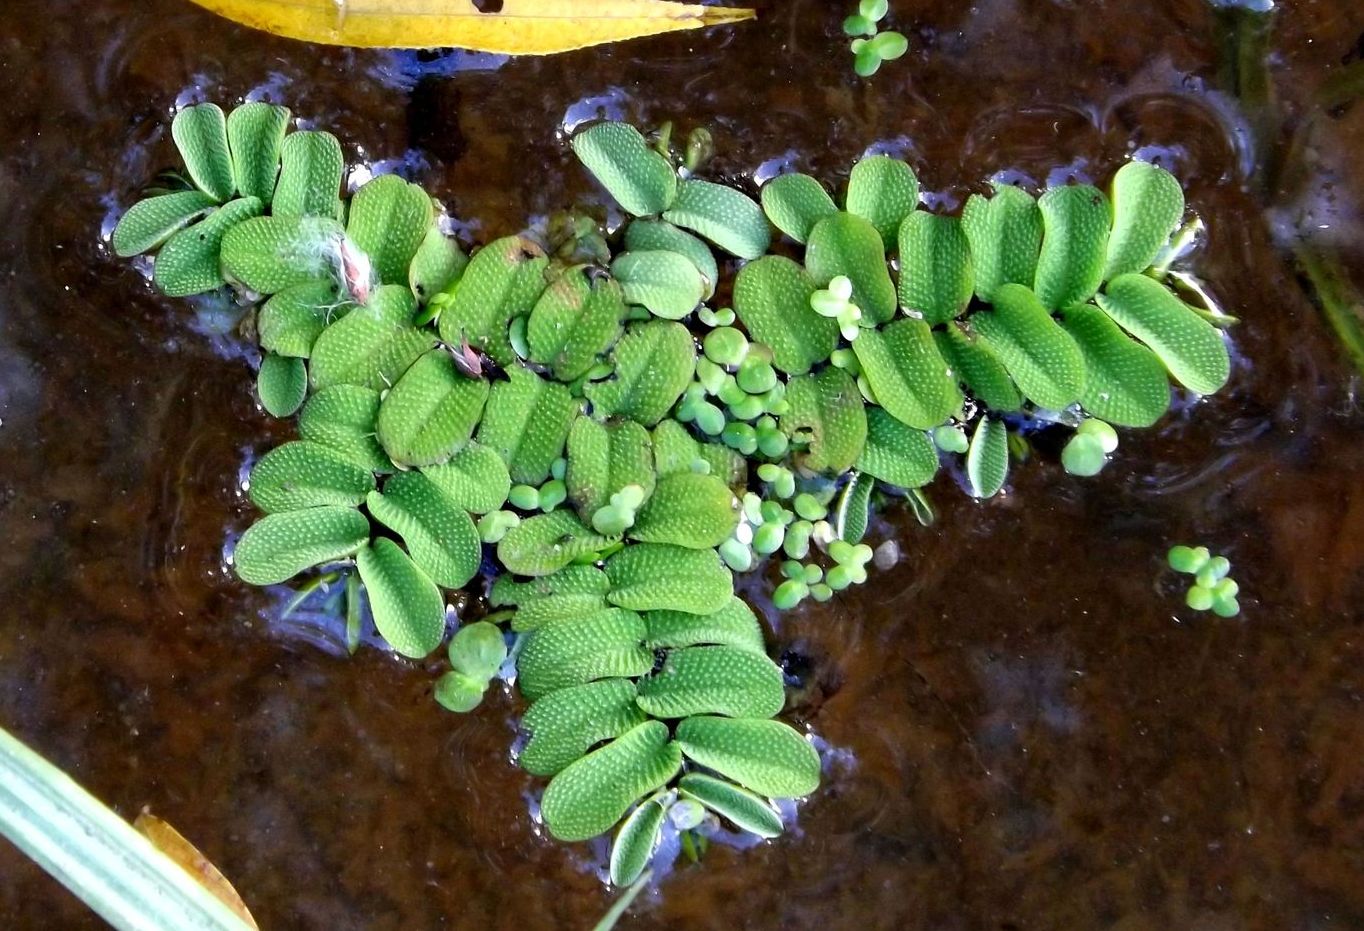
(526, 421)
(896, 453)
(572, 592)
(795, 203)
(907, 374)
(725, 463)
(546, 543)
(442, 538)
(713, 680)
(255, 133)
(290, 322)
(1005, 236)
(854, 507)
(728, 218)
(1125, 383)
(589, 796)
(746, 810)
(1075, 222)
(656, 235)
(301, 474)
(407, 607)
(636, 841)
(478, 650)
(828, 408)
(639, 178)
(269, 254)
(978, 368)
(603, 459)
(661, 577)
(570, 652)
(1042, 359)
(342, 418)
(935, 266)
(766, 756)
(655, 362)
(566, 723)
(149, 223)
(282, 384)
(845, 244)
(574, 323)
(388, 221)
(734, 625)
(987, 460)
(1148, 204)
(675, 449)
(200, 133)
(431, 412)
(503, 280)
(772, 299)
(1190, 347)
(438, 264)
(280, 546)
(372, 345)
(688, 509)
(667, 284)
(311, 165)
(475, 479)
(191, 261)
(883, 190)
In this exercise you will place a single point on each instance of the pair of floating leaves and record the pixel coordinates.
(503, 280)
(372, 346)
(907, 374)
(546, 543)
(895, 453)
(1041, 357)
(574, 323)
(772, 300)
(526, 421)
(827, 412)
(848, 245)
(477, 652)
(655, 362)
(440, 536)
(570, 651)
(431, 412)
(659, 576)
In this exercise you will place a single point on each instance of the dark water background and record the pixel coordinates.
(1037, 736)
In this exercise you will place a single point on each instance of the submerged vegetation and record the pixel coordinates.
(579, 400)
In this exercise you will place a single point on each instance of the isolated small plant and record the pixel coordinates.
(1213, 589)
(871, 46)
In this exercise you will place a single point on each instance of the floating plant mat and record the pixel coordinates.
(566, 401)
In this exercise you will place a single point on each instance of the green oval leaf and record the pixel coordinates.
(907, 374)
(290, 322)
(978, 368)
(659, 235)
(747, 811)
(255, 134)
(726, 217)
(655, 362)
(765, 756)
(191, 261)
(675, 449)
(1191, 348)
(311, 165)
(431, 412)
(658, 576)
(546, 543)
(566, 653)
(478, 650)
(795, 203)
(1125, 383)
(668, 284)
(372, 345)
(149, 223)
(407, 607)
(588, 797)
(987, 460)
(603, 459)
(282, 384)
(1075, 222)
(301, 474)
(269, 254)
(688, 509)
(635, 841)
(844, 244)
(883, 191)
(458, 693)
(526, 421)
(566, 723)
(734, 625)
(641, 180)
(200, 133)
(280, 546)
(342, 418)
(475, 479)
(772, 299)
(438, 264)
(713, 680)
(1041, 357)
(896, 453)
(936, 276)
(572, 592)
(1148, 204)
(826, 410)
(388, 220)
(442, 538)
(574, 323)
(1005, 237)
(504, 280)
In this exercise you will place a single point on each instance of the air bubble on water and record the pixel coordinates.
(776, 166)
(609, 105)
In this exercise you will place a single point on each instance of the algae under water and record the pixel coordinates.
(1032, 731)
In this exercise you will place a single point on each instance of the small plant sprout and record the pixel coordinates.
(863, 22)
(1087, 451)
(836, 303)
(1213, 589)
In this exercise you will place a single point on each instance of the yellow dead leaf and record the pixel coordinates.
(186, 856)
(520, 27)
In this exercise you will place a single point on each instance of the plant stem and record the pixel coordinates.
(1340, 300)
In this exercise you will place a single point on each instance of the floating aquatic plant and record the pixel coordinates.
(1213, 588)
(623, 448)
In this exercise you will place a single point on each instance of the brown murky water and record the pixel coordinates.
(1035, 735)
